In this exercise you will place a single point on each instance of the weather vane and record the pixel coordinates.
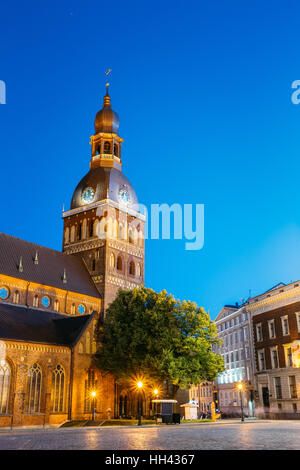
(107, 73)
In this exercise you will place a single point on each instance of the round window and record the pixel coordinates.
(45, 301)
(4, 293)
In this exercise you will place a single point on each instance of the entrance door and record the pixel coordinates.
(265, 397)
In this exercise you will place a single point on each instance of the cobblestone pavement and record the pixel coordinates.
(255, 435)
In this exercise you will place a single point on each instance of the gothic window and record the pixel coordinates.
(130, 236)
(58, 389)
(112, 260)
(36, 301)
(88, 343)
(67, 235)
(106, 147)
(80, 348)
(94, 347)
(119, 263)
(116, 150)
(16, 297)
(95, 228)
(90, 386)
(121, 231)
(132, 268)
(91, 229)
(73, 309)
(94, 265)
(72, 238)
(56, 305)
(79, 232)
(83, 230)
(34, 381)
(4, 386)
(98, 149)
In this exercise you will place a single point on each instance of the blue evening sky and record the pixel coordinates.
(203, 91)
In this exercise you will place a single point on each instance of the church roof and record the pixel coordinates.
(19, 323)
(49, 268)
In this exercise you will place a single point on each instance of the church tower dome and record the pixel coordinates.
(106, 119)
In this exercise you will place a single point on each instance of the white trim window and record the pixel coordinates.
(274, 357)
(261, 359)
(259, 334)
(288, 355)
(298, 321)
(285, 325)
(271, 326)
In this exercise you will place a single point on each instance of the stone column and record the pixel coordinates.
(19, 394)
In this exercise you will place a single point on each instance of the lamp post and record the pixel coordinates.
(140, 386)
(240, 388)
(155, 393)
(93, 395)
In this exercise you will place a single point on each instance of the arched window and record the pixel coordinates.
(16, 297)
(80, 348)
(58, 389)
(94, 265)
(132, 268)
(106, 147)
(119, 263)
(34, 382)
(84, 229)
(95, 228)
(116, 150)
(56, 305)
(98, 149)
(4, 386)
(91, 228)
(72, 237)
(90, 386)
(79, 232)
(94, 347)
(36, 301)
(73, 309)
(88, 343)
(130, 236)
(121, 231)
(112, 260)
(67, 235)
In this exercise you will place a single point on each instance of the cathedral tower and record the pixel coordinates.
(104, 226)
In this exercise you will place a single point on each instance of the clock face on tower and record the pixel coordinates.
(87, 195)
(124, 196)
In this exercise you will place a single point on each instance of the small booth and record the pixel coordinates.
(190, 411)
(164, 411)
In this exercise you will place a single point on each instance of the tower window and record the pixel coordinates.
(116, 150)
(132, 268)
(106, 147)
(16, 297)
(94, 265)
(112, 260)
(119, 263)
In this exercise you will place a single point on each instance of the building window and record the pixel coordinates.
(295, 407)
(45, 301)
(285, 325)
(80, 348)
(274, 358)
(58, 389)
(56, 305)
(246, 333)
(138, 269)
(293, 387)
(34, 381)
(259, 334)
(90, 386)
(16, 297)
(298, 321)
(73, 309)
(4, 386)
(67, 235)
(116, 150)
(271, 325)
(288, 356)
(278, 389)
(36, 301)
(119, 263)
(132, 268)
(88, 343)
(261, 359)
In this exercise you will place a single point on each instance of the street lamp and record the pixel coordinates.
(93, 395)
(240, 388)
(140, 386)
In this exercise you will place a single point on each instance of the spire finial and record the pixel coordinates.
(21, 265)
(107, 97)
(65, 276)
(36, 258)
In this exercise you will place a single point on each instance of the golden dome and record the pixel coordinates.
(106, 119)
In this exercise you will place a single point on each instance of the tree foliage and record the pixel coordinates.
(152, 334)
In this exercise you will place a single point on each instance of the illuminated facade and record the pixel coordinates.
(51, 302)
(276, 338)
(234, 325)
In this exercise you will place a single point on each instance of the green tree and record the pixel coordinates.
(152, 334)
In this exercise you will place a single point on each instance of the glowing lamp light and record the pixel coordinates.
(240, 387)
(155, 391)
(140, 384)
(93, 394)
